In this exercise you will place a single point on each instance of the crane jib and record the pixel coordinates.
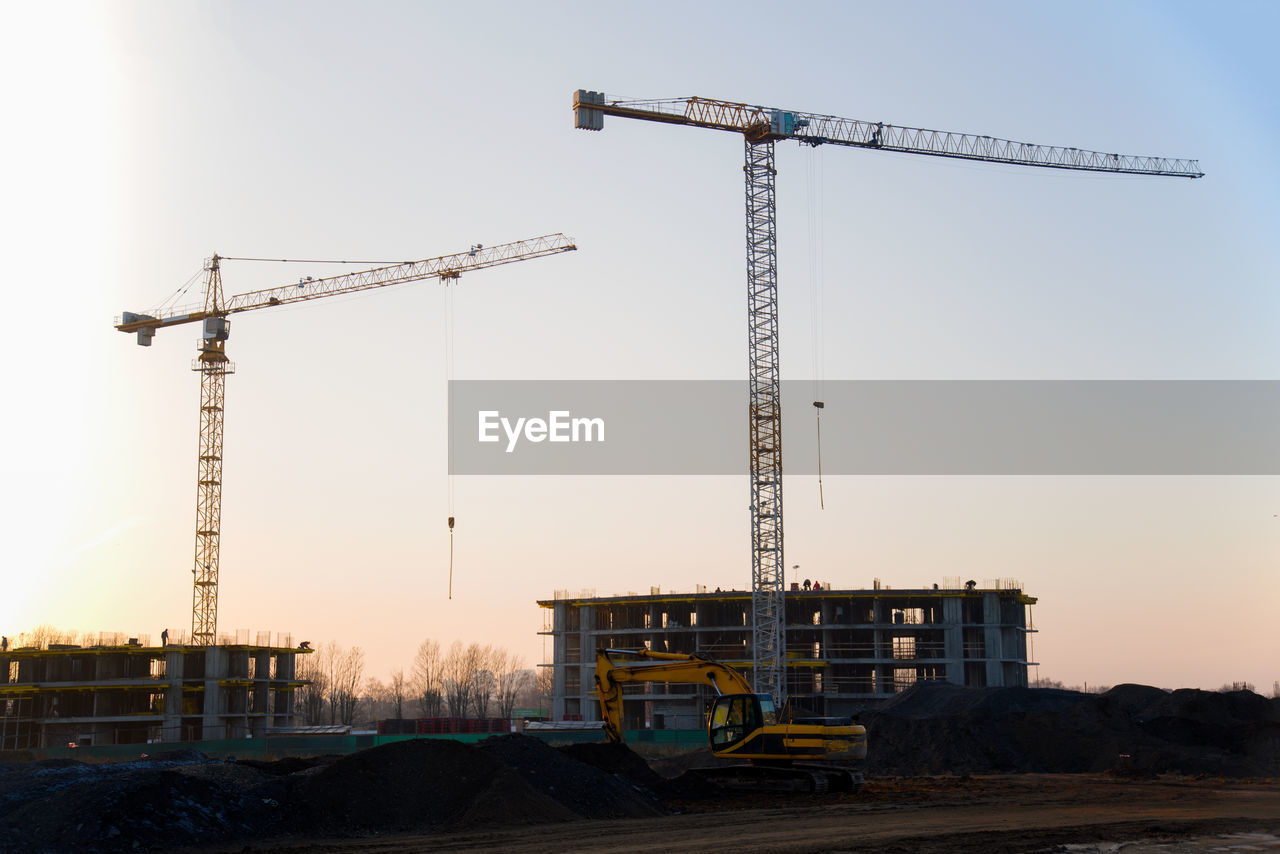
(765, 124)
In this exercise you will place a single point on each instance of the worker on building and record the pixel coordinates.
(4, 643)
(808, 585)
(164, 638)
(817, 585)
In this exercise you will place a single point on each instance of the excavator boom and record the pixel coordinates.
(651, 666)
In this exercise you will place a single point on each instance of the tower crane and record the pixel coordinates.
(760, 128)
(212, 364)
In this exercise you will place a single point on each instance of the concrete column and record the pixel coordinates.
(559, 619)
(587, 663)
(992, 639)
(261, 692)
(215, 667)
(883, 674)
(171, 725)
(282, 702)
(953, 639)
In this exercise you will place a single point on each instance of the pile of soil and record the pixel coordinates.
(585, 788)
(678, 784)
(422, 785)
(1131, 729)
(124, 807)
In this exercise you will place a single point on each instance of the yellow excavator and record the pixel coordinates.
(780, 753)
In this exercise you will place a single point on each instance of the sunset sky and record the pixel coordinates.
(143, 137)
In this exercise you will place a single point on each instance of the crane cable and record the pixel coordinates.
(173, 298)
(817, 275)
(448, 362)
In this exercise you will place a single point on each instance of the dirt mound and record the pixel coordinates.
(620, 760)
(1130, 699)
(133, 809)
(613, 759)
(1136, 728)
(408, 785)
(288, 764)
(1213, 708)
(947, 700)
(430, 784)
(586, 789)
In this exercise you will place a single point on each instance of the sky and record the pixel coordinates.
(142, 137)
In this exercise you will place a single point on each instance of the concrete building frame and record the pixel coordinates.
(133, 694)
(847, 650)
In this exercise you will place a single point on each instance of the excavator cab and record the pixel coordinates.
(734, 717)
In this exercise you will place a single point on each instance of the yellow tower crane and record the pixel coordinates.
(212, 364)
(760, 128)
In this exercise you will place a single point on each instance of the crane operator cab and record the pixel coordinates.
(735, 717)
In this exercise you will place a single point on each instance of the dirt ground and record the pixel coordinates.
(950, 769)
(932, 815)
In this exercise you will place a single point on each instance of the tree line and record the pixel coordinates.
(464, 681)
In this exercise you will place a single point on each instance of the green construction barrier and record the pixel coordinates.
(278, 746)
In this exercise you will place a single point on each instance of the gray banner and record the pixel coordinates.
(870, 427)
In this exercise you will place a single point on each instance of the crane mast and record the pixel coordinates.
(760, 128)
(212, 364)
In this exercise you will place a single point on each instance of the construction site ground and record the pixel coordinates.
(950, 770)
(933, 815)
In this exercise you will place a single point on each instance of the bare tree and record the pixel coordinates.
(483, 686)
(42, 635)
(512, 679)
(546, 684)
(377, 701)
(311, 696)
(490, 664)
(398, 692)
(531, 694)
(326, 661)
(460, 668)
(427, 678)
(344, 670)
(349, 673)
(457, 680)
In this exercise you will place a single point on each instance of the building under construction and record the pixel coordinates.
(846, 650)
(127, 692)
